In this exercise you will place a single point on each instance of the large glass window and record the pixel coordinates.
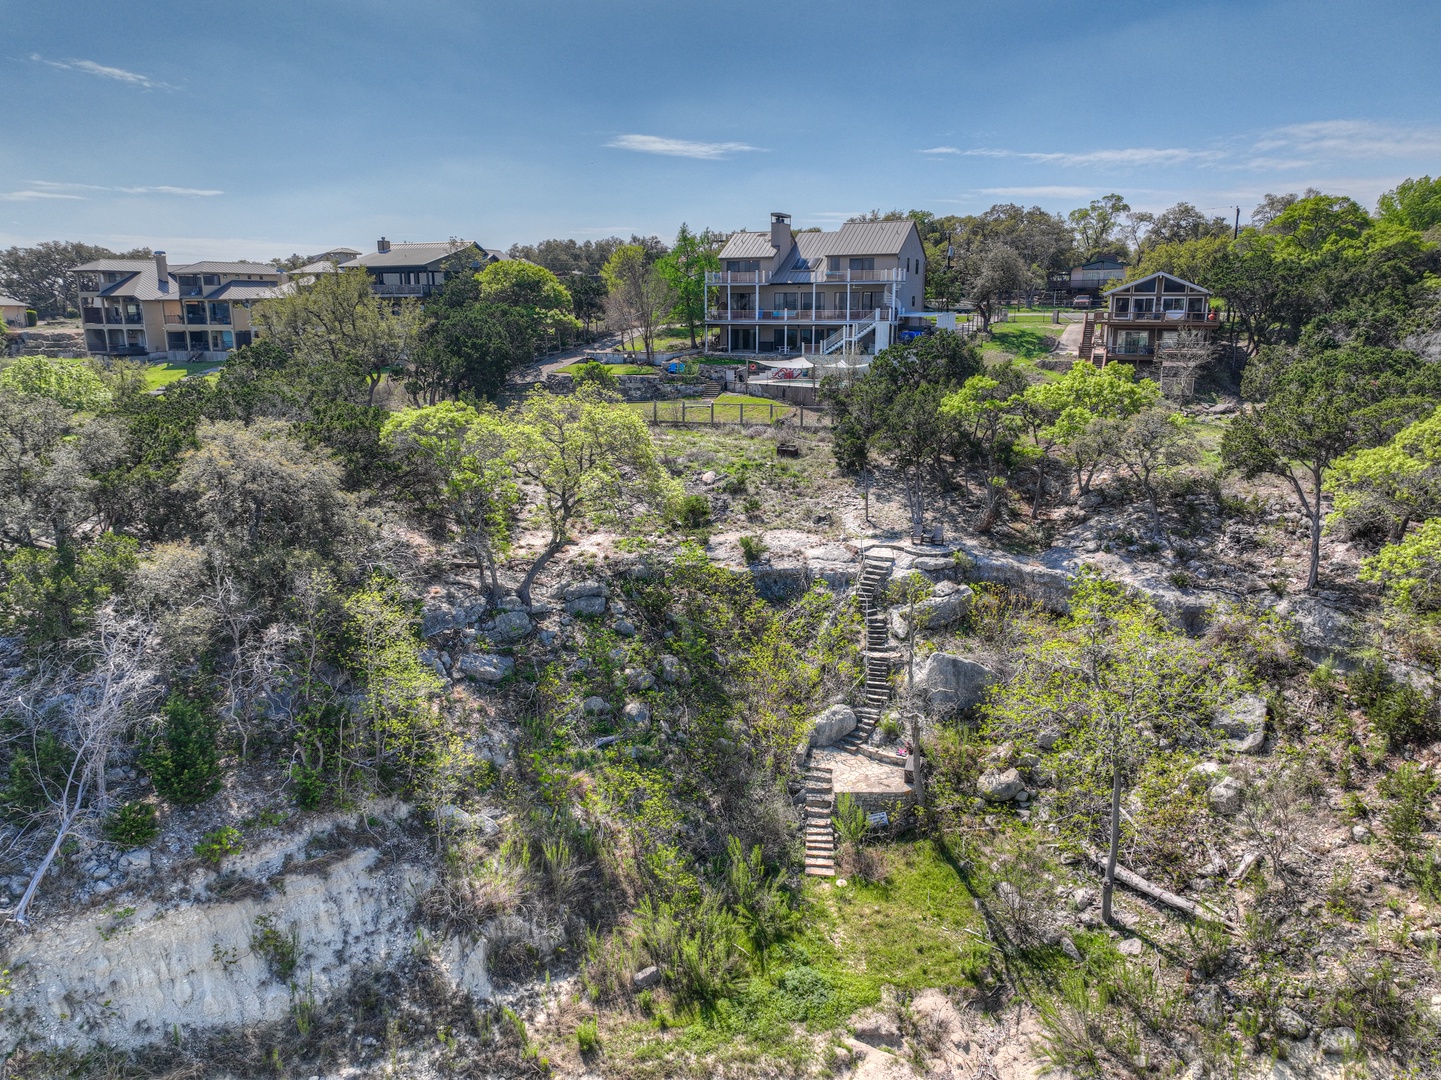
(199, 340)
(863, 264)
(220, 313)
(195, 314)
(210, 279)
(221, 341)
(787, 301)
(189, 285)
(175, 340)
(742, 265)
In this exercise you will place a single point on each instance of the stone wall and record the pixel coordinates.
(637, 387)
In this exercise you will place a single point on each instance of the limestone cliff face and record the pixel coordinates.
(128, 976)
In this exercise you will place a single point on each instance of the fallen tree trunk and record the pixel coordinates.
(1139, 884)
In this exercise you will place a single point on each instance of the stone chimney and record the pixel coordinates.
(781, 233)
(162, 268)
(382, 245)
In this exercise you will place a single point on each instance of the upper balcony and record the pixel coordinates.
(805, 315)
(1159, 317)
(802, 277)
(401, 290)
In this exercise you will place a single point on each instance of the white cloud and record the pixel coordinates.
(942, 150)
(1331, 139)
(30, 195)
(150, 189)
(656, 144)
(1139, 155)
(1042, 191)
(90, 67)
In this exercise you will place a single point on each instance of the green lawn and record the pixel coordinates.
(1021, 340)
(614, 369)
(159, 375)
(758, 410)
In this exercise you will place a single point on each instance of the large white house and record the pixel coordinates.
(816, 293)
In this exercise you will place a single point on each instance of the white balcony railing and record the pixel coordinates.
(828, 315)
(802, 277)
(1160, 316)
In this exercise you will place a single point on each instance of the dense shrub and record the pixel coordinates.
(184, 763)
(132, 825)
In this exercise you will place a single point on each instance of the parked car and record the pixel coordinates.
(1082, 301)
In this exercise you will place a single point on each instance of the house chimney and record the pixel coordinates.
(162, 268)
(781, 233)
(382, 245)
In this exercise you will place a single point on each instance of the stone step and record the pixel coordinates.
(821, 871)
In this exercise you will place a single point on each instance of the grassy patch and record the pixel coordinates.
(614, 369)
(1023, 341)
(758, 410)
(158, 375)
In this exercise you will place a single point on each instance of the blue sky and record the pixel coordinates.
(272, 126)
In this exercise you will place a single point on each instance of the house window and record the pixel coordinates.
(195, 314)
(210, 279)
(1121, 305)
(863, 264)
(189, 285)
(787, 301)
(243, 338)
(834, 264)
(737, 266)
(1173, 303)
(220, 313)
(175, 340)
(221, 341)
(1143, 304)
(199, 340)
(741, 301)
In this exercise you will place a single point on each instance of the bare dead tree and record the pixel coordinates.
(84, 703)
(1182, 358)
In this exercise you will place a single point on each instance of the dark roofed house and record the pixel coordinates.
(1143, 317)
(418, 269)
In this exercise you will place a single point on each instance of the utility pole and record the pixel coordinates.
(1235, 232)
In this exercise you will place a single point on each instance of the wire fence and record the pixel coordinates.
(739, 413)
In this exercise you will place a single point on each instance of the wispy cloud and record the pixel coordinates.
(1328, 140)
(1136, 155)
(942, 150)
(147, 189)
(1042, 191)
(31, 194)
(90, 67)
(656, 144)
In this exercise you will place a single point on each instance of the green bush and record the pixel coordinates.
(587, 1037)
(851, 821)
(218, 843)
(184, 764)
(280, 950)
(38, 767)
(752, 548)
(1398, 711)
(694, 511)
(309, 786)
(132, 825)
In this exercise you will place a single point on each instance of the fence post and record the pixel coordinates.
(803, 416)
(712, 414)
(655, 410)
(743, 414)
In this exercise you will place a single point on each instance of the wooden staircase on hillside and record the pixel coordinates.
(875, 642)
(1088, 337)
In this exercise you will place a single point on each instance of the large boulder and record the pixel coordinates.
(1243, 716)
(441, 617)
(1225, 797)
(835, 723)
(486, 667)
(586, 606)
(949, 604)
(512, 625)
(672, 670)
(953, 683)
(581, 590)
(1000, 785)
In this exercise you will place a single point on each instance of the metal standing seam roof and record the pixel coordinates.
(227, 268)
(122, 266)
(246, 290)
(748, 245)
(415, 254)
(852, 238)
